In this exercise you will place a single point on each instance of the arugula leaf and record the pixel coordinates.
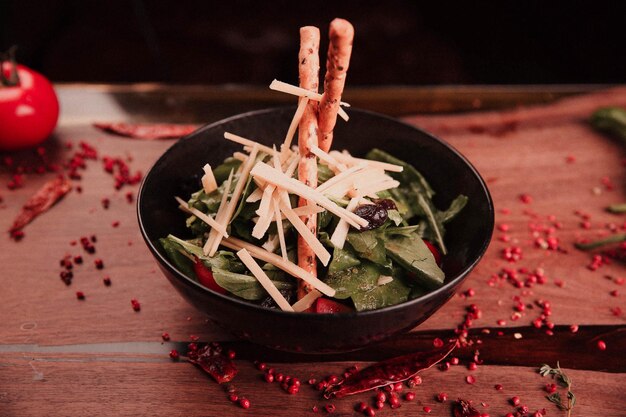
(409, 174)
(435, 226)
(221, 260)
(246, 286)
(174, 252)
(392, 293)
(413, 254)
(395, 217)
(455, 208)
(221, 172)
(323, 173)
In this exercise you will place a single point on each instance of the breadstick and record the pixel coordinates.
(308, 68)
(341, 34)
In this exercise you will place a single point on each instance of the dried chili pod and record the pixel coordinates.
(387, 372)
(41, 201)
(463, 408)
(213, 362)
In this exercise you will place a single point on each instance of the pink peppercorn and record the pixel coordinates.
(442, 397)
(427, 409)
(244, 403)
(369, 411)
(165, 336)
(80, 295)
(330, 408)
(136, 305)
(498, 387)
(437, 342)
(601, 345)
(470, 379)
(409, 396)
(515, 401)
(174, 354)
(360, 407)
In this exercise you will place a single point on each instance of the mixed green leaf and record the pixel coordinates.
(375, 268)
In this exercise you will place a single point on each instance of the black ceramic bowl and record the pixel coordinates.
(177, 172)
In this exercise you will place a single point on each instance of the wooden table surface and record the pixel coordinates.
(60, 356)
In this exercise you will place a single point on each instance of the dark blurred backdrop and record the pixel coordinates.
(252, 42)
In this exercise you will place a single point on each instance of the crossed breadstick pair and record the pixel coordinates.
(319, 118)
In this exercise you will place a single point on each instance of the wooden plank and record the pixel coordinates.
(64, 384)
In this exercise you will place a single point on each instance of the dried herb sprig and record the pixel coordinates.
(564, 381)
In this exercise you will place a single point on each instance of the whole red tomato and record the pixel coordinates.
(29, 108)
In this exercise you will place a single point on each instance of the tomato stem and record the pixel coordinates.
(14, 78)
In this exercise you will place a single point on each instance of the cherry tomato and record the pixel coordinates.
(205, 277)
(434, 251)
(29, 110)
(326, 306)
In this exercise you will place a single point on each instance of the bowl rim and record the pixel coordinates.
(162, 260)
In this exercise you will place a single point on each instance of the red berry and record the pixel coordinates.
(601, 345)
(174, 354)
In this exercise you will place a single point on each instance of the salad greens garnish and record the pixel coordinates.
(376, 268)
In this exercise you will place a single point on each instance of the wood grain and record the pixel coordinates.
(115, 355)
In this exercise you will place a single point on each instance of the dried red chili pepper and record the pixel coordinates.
(462, 408)
(387, 372)
(41, 201)
(213, 362)
(147, 131)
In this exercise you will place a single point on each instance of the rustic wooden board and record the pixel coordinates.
(95, 343)
(62, 384)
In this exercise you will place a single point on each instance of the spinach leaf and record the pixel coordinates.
(369, 245)
(363, 277)
(343, 259)
(392, 293)
(246, 286)
(413, 254)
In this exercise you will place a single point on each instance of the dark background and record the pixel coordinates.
(253, 42)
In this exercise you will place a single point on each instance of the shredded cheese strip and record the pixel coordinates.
(341, 231)
(271, 244)
(278, 262)
(219, 215)
(301, 211)
(384, 279)
(306, 301)
(269, 174)
(303, 92)
(279, 227)
(208, 180)
(255, 196)
(247, 142)
(234, 199)
(340, 177)
(202, 216)
(263, 223)
(317, 247)
(351, 160)
(372, 189)
(264, 280)
(294, 123)
(329, 160)
(240, 156)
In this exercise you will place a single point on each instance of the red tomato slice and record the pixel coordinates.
(434, 251)
(205, 277)
(326, 306)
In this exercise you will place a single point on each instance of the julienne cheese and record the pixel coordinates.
(354, 179)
